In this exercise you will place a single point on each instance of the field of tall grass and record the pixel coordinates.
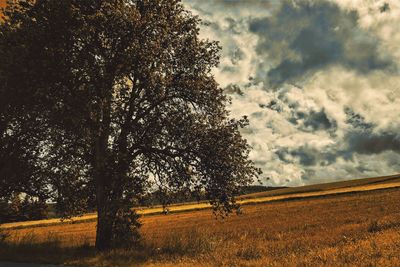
(361, 228)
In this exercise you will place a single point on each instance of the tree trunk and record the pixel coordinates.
(104, 221)
(103, 233)
(104, 215)
(106, 209)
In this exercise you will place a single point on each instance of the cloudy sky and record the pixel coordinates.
(319, 81)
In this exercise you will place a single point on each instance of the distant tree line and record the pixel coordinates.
(19, 208)
(159, 197)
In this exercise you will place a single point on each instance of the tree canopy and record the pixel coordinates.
(102, 101)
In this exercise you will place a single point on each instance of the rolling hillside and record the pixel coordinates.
(356, 228)
(371, 182)
(284, 194)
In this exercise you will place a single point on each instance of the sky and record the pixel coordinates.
(318, 79)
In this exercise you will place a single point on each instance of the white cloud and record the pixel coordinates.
(300, 130)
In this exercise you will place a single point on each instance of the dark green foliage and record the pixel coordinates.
(33, 209)
(126, 228)
(112, 99)
(27, 209)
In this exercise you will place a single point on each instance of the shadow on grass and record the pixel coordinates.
(51, 249)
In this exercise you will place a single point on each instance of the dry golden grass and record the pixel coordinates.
(268, 196)
(361, 229)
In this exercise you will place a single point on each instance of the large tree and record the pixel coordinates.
(114, 98)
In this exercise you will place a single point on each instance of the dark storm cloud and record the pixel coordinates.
(272, 105)
(356, 120)
(363, 139)
(319, 121)
(306, 156)
(308, 121)
(313, 121)
(312, 35)
(372, 143)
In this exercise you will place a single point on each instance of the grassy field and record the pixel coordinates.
(355, 227)
(342, 187)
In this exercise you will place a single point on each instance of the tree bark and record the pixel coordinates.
(104, 221)
(105, 216)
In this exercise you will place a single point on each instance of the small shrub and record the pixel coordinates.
(126, 229)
